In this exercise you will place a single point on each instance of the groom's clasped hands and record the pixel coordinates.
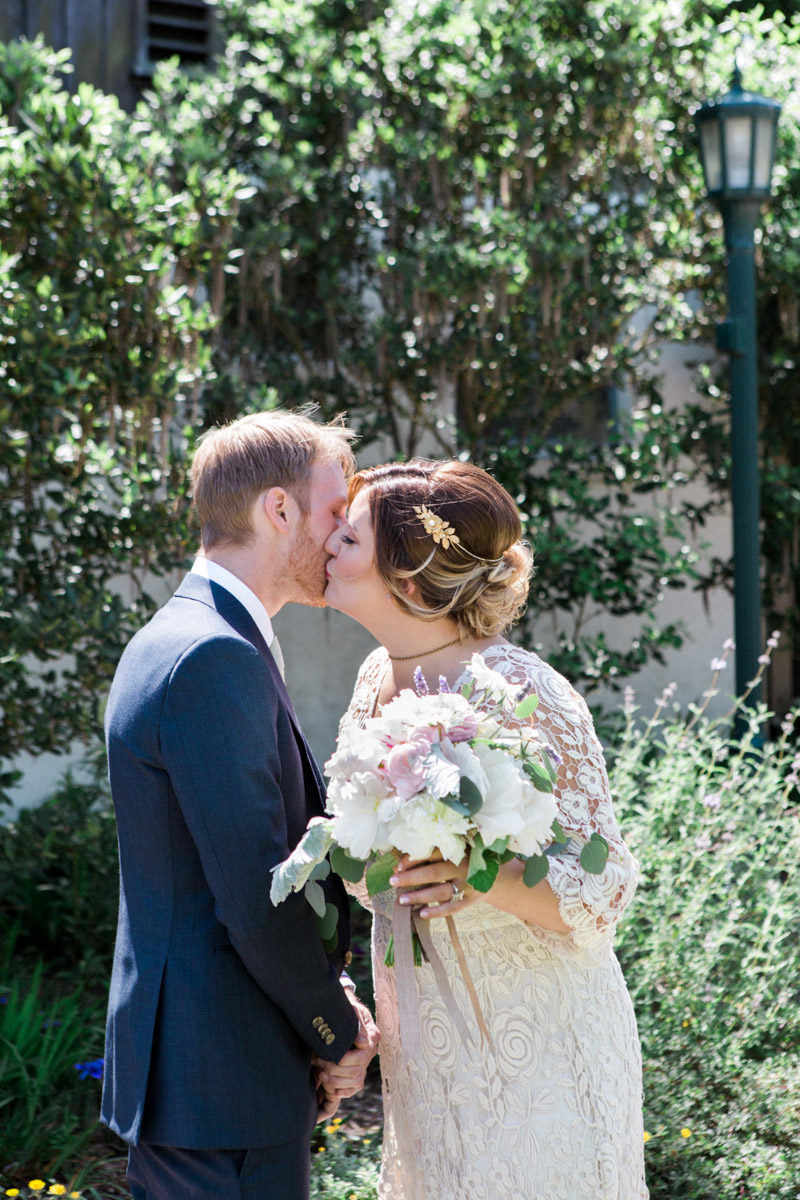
(335, 1081)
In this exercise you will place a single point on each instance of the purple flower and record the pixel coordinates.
(711, 801)
(444, 686)
(524, 691)
(555, 757)
(90, 1070)
(420, 682)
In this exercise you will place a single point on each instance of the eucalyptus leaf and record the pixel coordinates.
(315, 897)
(499, 845)
(527, 706)
(535, 871)
(594, 855)
(482, 879)
(321, 871)
(470, 796)
(347, 867)
(538, 776)
(328, 922)
(379, 873)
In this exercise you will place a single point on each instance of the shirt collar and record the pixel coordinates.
(233, 584)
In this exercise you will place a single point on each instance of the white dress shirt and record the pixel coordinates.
(245, 595)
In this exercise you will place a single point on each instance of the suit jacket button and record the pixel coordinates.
(348, 958)
(330, 1038)
(324, 1030)
(317, 1022)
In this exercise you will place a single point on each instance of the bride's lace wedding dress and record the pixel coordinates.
(553, 1110)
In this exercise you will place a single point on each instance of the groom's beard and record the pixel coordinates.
(306, 569)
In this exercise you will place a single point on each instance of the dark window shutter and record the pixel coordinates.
(182, 27)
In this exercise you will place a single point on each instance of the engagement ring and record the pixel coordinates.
(457, 892)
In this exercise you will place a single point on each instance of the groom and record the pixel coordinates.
(219, 1001)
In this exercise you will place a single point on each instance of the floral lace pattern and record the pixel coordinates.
(552, 1109)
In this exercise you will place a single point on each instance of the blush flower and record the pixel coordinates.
(405, 766)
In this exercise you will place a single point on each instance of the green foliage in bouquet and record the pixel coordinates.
(710, 948)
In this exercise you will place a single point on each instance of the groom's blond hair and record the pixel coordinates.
(235, 463)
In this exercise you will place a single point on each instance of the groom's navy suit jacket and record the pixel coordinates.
(218, 998)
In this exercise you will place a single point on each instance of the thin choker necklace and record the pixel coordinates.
(422, 653)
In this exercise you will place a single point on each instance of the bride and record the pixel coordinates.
(430, 561)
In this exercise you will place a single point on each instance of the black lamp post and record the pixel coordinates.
(737, 144)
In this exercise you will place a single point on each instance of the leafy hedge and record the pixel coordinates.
(472, 229)
(711, 952)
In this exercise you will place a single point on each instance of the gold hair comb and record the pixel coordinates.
(438, 528)
(445, 535)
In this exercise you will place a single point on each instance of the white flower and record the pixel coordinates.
(357, 750)
(358, 813)
(410, 716)
(512, 806)
(423, 824)
(468, 763)
(487, 680)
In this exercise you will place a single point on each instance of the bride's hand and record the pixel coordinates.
(438, 886)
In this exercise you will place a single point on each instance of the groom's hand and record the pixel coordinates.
(327, 1102)
(346, 1077)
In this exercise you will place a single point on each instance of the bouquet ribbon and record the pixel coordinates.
(404, 925)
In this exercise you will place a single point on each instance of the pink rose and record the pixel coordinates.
(403, 767)
(465, 728)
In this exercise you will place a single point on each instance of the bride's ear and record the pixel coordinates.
(409, 589)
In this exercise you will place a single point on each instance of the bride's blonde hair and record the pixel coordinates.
(480, 577)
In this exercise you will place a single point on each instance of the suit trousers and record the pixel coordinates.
(266, 1173)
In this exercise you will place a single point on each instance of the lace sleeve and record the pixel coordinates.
(589, 904)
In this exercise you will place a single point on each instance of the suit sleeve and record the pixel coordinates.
(220, 746)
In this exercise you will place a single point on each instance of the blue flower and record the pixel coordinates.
(90, 1070)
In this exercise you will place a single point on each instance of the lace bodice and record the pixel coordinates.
(551, 1109)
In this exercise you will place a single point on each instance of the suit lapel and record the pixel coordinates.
(196, 587)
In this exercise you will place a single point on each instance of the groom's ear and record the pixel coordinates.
(278, 508)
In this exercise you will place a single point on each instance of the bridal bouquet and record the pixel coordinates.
(465, 773)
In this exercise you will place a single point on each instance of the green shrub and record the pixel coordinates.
(710, 949)
(48, 1111)
(59, 883)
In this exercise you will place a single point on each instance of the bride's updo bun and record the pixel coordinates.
(452, 529)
